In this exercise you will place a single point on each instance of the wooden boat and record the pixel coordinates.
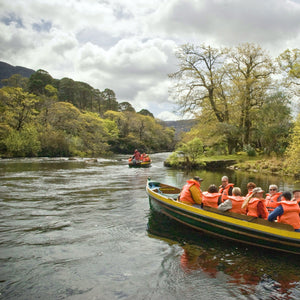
(237, 227)
(139, 164)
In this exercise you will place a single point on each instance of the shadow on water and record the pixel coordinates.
(252, 269)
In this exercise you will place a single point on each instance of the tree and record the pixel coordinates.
(272, 124)
(125, 106)
(200, 75)
(110, 100)
(289, 63)
(17, 107)
(250, 70)
(16, 80)
(293, 151)
(38, 81)
(146, 112)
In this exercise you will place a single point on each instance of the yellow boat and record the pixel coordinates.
(237, 227)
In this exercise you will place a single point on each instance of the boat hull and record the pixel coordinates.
(252, 231)
(143, 164)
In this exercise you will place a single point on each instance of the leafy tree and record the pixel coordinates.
(250, 70)
(146, 112)
(54, 143)
(95, 133)
(65, 117)
(23, 142)
(16, 80)
(38, 81)
(272, 124)
(199, 76)
(125, 106)
(17, 107)
(192, 150)
(289, 63)
(66, 90)
(110, 100)
(293, 151)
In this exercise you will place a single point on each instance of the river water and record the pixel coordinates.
(81, 229)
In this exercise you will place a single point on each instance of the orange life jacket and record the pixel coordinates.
(271, 201)
(210, 199)
(237, 202)
(252, 207)
(224, 191)
(290, 214)
(185, 195)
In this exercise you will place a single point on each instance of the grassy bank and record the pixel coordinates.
(255, 164)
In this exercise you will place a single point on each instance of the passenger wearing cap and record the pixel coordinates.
(255, 204)
(287, 212)
(191, 192)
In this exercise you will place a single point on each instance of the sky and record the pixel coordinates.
(129, 46)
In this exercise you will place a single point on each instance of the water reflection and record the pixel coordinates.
(252, 270)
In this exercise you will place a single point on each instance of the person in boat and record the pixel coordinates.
(250, 187)
(296, 196)
(145, 157)
(136, 156)
(287, 211)
(255, 204)
(234, 202)
(211, 197)
(191, 192)
(273, 197)
(225, 189)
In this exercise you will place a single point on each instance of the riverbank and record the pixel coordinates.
(256, 164)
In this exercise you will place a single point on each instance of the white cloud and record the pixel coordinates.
(128, 46)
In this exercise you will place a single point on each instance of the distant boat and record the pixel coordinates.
(144, 163)
(228, 225)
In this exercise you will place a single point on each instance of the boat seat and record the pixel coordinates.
(250, 219)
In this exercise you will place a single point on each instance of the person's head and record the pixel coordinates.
(258, 192)
(287, 195)
(251, 186)
(197, 178)
(296, 194)
(213, 189)
(273, 189)
(236, 191)
(224, 180)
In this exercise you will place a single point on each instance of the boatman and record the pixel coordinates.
(191, 192)
(225, 189)
(136, 156)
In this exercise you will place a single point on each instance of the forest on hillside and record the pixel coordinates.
(43, 116)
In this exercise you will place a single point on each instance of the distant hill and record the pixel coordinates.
(7, 70)
(181, 125)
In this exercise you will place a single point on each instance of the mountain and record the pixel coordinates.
(7, 70)
(181, 125)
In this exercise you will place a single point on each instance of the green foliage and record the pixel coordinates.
(17, 107)
(249, 150)
(293, 151)
(231, 92)
(192, 150)
(23, 142)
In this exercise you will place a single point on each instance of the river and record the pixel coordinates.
(83, 229)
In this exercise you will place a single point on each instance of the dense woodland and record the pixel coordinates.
(43, 116)
(242, 100)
